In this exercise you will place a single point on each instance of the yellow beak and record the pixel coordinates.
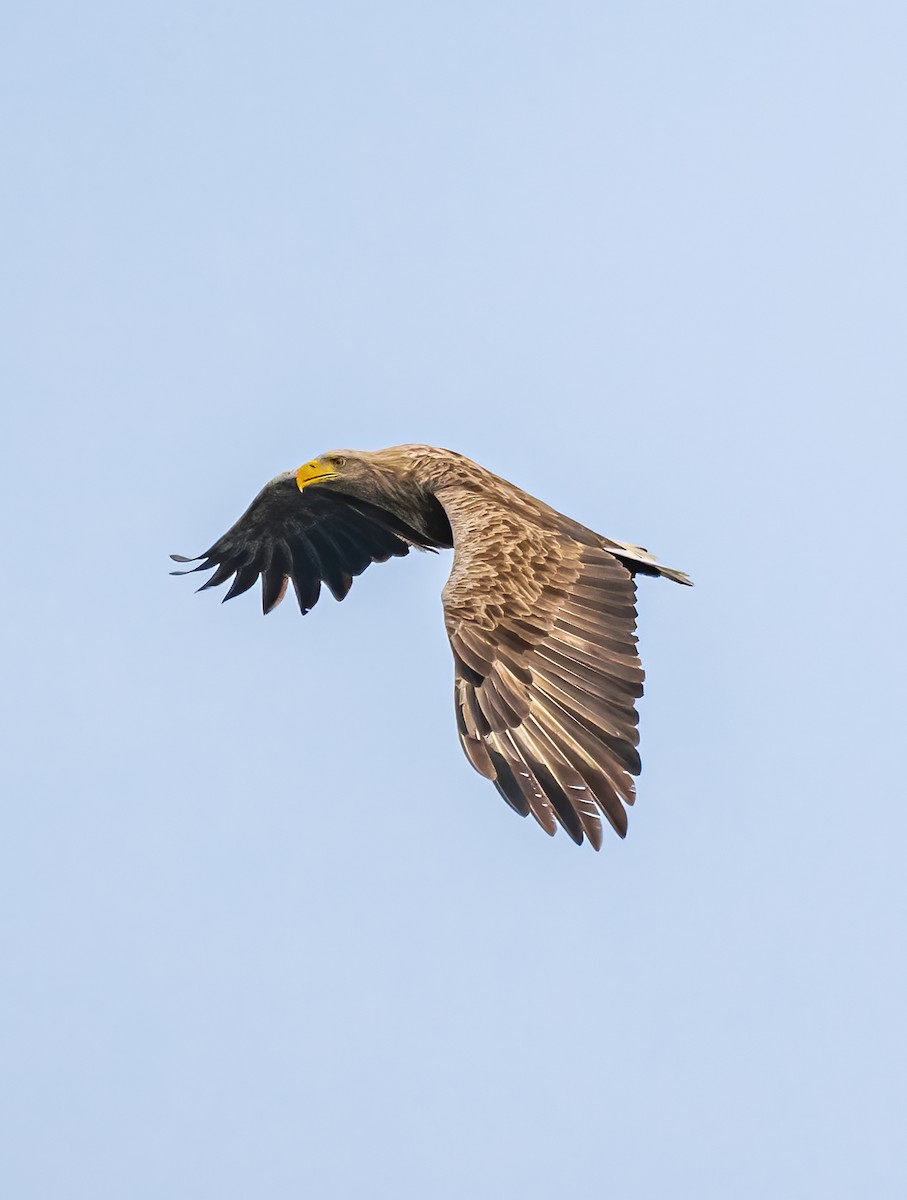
(315, 471)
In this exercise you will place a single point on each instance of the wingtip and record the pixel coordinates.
(181, 558)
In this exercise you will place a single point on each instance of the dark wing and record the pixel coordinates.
(546, 678)
(311, 537)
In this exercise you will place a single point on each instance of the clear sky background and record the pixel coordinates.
(264, 933)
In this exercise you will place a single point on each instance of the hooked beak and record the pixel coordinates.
(315, 471)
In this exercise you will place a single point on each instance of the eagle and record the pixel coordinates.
(540, 612)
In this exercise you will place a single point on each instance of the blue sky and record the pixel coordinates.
(264, 932)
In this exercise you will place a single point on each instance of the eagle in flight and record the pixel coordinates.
(540, 612)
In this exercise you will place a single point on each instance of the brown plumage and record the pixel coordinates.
(540, 612)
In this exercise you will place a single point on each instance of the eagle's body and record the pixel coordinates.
(540, 612)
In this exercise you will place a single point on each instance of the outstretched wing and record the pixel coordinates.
(311, 537)
(543, 633)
